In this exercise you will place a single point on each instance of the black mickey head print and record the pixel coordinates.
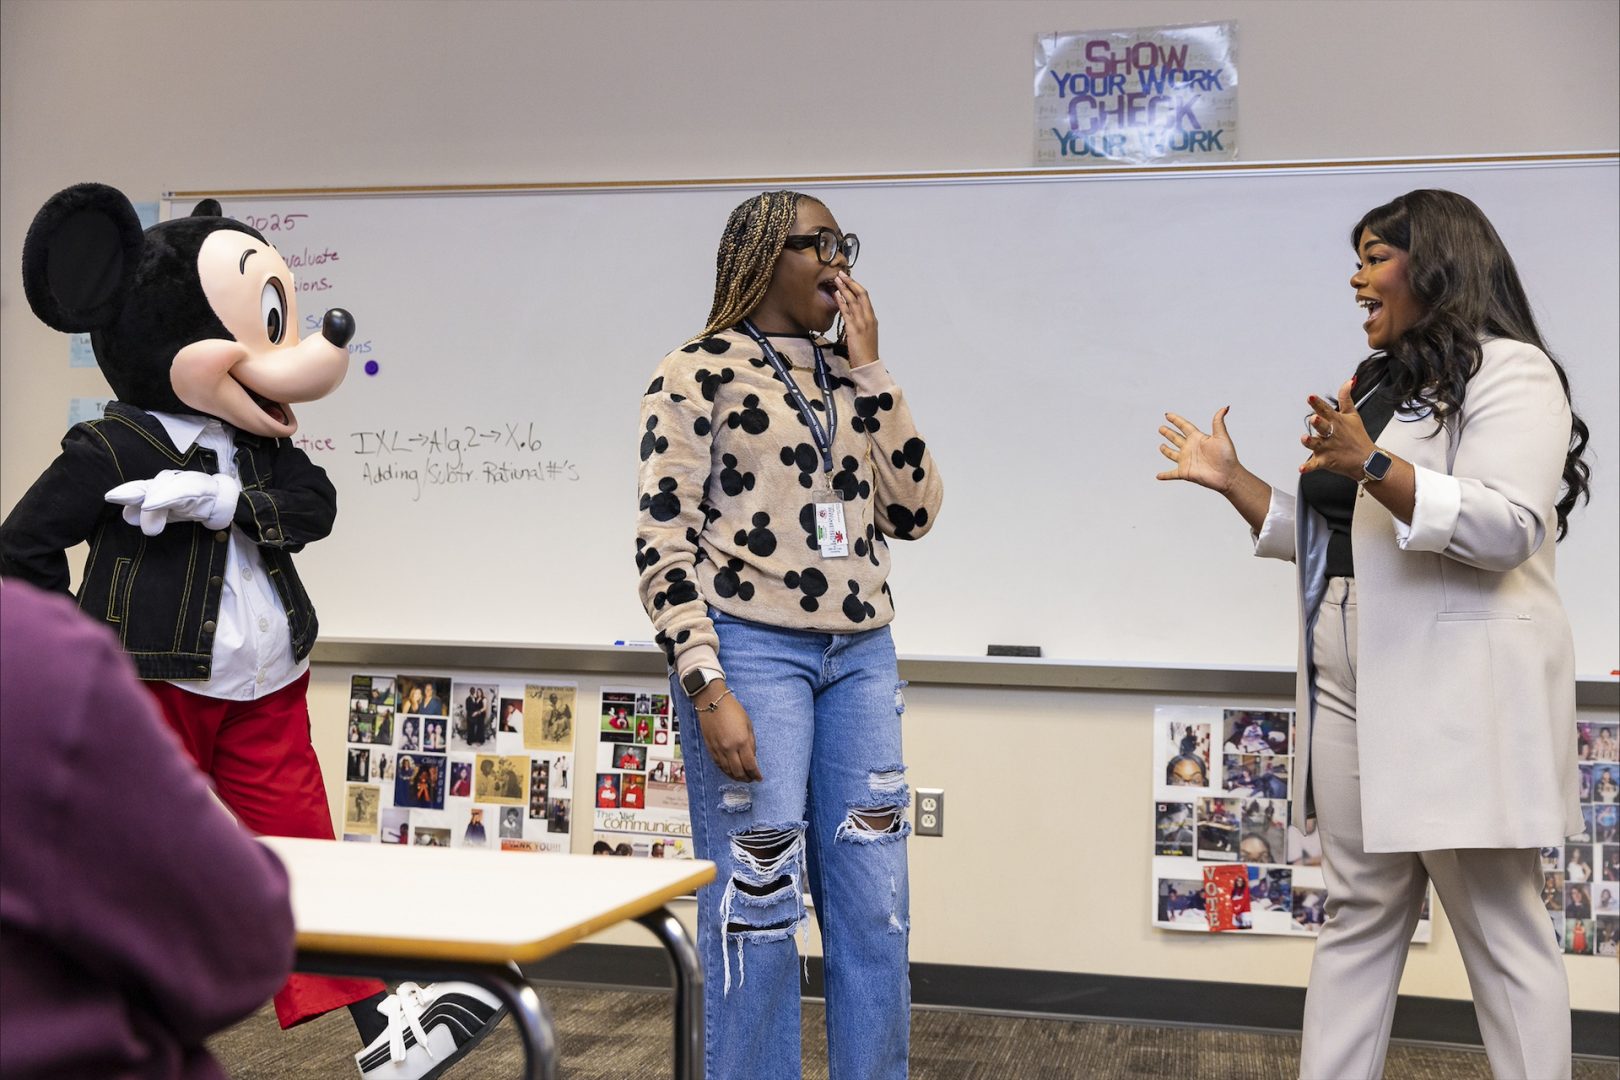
(866, 546)
(906, 521)
(646, 555)
(855, 609)
(804, 458)
(911, 456)
(669, 644)
(710, 382)
(751, 418)
(701, 426)
(815, 406)
(811, 582)
(682, 590)
(664, 505)
(848, 485)
(712, 345)
(652, 442)
(759, 540)
(728, 582)
(867, 409)
(807, 522)
(732, 481)
(656, 385)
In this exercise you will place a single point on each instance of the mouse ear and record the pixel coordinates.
(79, 257)
(208, 208)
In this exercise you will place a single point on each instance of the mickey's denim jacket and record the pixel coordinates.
(161, 594)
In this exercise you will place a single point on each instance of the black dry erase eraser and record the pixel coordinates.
(1013, 650)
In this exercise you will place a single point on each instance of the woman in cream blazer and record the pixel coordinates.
(1435, 706)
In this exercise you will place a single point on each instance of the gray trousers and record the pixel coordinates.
(1492, 898)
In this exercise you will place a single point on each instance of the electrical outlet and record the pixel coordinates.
(930, 816)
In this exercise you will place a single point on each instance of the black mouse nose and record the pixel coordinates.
(338, 326)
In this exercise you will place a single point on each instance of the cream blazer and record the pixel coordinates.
(1465, 687)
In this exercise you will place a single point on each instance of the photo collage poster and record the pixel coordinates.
(640, 792)
(1581, 880)
(1223, 784)
(456, 760)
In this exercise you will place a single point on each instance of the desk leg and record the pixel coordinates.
(683, 958)
(529, 1013)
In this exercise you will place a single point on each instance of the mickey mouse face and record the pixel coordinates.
(911, 456)
(759, 540)
(804, 458)
(710, 382)
(195, 314)
(728, 582)
(651, 442)
(751, 418)
(712, 345)
(848, 485)
(811, 582)
(645, 556)
(867, 409)
(733, 482)
(855, 609)
(249, 379)
(682, 590)
(664, 505)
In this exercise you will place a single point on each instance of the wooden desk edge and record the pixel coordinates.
(495, 952)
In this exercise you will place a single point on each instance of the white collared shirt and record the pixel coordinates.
(253, 653)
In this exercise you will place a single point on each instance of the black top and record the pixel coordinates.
(1334, 496)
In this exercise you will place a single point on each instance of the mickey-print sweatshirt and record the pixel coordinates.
(730, 478)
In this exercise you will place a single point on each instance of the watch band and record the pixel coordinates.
(695, 681)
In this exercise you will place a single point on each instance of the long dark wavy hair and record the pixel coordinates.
(1462, 273)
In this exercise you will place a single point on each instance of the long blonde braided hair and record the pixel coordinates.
(748, 252)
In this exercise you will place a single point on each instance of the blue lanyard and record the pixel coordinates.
(823, 436)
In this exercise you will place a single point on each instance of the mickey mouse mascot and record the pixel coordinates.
(193, 501)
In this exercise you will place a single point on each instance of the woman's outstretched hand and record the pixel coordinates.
(1209, 461)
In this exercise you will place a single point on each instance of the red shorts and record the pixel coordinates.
(263, 765)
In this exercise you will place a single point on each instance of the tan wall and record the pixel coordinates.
(1044, 864)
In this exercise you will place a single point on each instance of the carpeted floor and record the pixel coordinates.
(624, 1035)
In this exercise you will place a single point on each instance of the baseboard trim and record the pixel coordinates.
(1104, 997)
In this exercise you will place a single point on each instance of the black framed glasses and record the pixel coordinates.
(828, 245)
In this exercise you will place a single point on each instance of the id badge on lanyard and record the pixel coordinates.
(832, 536)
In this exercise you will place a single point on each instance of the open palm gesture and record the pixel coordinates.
(1209, 461)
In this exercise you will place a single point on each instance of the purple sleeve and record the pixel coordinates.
(127, 863)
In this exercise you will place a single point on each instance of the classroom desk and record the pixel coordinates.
(400, 912)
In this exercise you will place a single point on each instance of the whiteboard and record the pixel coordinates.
(1040, 327)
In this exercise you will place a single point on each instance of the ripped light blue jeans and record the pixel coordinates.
(830, 813)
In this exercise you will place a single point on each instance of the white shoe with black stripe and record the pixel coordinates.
(430, 1028)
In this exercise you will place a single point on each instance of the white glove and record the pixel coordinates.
(174, 495)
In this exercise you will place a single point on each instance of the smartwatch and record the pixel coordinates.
(695, 680)
(1376, 467)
